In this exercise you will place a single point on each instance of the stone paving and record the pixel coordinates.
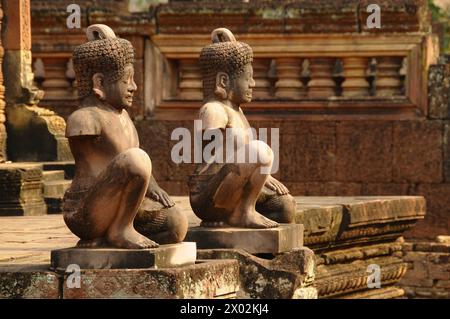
(29, 239)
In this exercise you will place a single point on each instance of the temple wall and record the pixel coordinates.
(428, 274)
(345, 133)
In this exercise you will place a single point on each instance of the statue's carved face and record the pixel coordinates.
(118, 94)
(240, 90)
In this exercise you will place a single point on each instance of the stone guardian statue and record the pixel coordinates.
(231, 192)
(113, 201)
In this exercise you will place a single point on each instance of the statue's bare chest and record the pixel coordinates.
(118, 132)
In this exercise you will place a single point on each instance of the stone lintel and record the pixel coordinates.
(165, 256)
(284, 238)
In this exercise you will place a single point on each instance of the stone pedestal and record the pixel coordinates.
(21, 190)
(204, 280)
(255, 241)
(165, 256)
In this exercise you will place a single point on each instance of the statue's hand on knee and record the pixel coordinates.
(276, 186)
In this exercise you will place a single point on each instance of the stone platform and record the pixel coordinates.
(347, 234)
(25, 247)
(255, 241)
(165, 256)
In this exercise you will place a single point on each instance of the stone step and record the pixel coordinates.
(67, 166)
(52, 175)
(56, 188)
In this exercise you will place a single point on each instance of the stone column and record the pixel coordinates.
(2, 98)
(190, 80)
(289, 84)
(56, 84)
(388, 82)
(355, 84)
(34, 133)
(321, 84)
(261, 76)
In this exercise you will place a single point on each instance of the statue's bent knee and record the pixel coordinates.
(261, 152)
(136, 163)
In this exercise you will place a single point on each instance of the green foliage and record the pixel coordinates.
(441, 16)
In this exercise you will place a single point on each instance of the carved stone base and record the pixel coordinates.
(255, 241)
(204, 279)
(165, 256)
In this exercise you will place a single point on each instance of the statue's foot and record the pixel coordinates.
(252, 219)
(92, 243)
(213, 224)
(130, 239)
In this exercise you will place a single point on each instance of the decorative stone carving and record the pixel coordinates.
(355, 84)
(321, 84)
(190, 80)
(261, 75)
(289, 84)
(56, 83)
(34, 133)
(388, 82)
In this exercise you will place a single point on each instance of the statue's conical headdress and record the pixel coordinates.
(103, 53)
(225, 54)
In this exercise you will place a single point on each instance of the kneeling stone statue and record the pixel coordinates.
(230, 192)
(113, 201)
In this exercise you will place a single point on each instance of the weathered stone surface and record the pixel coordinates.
(345, 220)
(446, 150)
(256, 241)
(438, 202)
(308, 152)
(381, 293)
(177, 17)
(205, 279)
(439, 90)
(341, 278)
(155, 136)
(385, 189)
(55, 189)
(55, 175)
(428, 274)
(287, 275)
(396, 16)
(364, 152)
(417, 152)
(173, 255)
(30, 282)
(21, 190)
(304, 16)
(67, 166)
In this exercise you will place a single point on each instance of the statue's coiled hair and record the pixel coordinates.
(225, 54)
(103, 53)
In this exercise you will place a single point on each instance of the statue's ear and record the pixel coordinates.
(222, 85)
(97, 86)
(222, 80)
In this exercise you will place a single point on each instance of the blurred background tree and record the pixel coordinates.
(440, 12)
